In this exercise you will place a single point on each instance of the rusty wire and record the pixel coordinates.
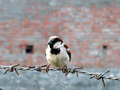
(41, 68)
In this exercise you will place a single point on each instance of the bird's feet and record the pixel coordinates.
(47, 67)
(64, 69)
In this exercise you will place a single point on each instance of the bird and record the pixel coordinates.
(57, 53)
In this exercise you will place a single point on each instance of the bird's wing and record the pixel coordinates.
(68, 51)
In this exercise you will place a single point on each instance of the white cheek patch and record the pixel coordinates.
(57, 45)
(63, 44)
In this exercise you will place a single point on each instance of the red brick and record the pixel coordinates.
(81, 36)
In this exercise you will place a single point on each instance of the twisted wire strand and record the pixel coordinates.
(41, 68)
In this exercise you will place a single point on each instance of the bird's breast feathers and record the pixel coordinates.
(60, 60)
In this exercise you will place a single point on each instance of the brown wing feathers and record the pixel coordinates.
(68, 51)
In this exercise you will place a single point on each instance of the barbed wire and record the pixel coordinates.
(41, 68)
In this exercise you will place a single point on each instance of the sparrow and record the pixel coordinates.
(57, 53)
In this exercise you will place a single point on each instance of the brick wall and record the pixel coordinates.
(91, 28)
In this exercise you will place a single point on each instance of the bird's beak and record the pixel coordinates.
(50, 43)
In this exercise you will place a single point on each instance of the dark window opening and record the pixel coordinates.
(105, 47)
(116, 40)
(29, 49)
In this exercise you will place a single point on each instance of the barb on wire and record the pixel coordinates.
(11, 68)
(41, 68)
(100, 76)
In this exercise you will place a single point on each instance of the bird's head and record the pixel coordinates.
(54, 42)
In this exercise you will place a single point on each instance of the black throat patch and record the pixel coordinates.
(55, 51)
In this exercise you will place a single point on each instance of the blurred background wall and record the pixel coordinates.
(91, 28)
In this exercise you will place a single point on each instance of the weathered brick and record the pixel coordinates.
(85, 29)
